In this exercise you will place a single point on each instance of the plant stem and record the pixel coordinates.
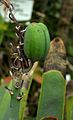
(25, 89)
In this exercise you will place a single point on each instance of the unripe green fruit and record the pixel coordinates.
(36, 41)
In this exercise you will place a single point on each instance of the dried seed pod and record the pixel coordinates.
(56, 57)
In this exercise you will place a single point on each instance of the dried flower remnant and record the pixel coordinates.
(56, 57)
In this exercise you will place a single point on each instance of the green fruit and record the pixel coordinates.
(36, 41)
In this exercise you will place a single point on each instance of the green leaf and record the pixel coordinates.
(69, 108)
(5, 103)
(52, 96)
(9, 105)
(2, 91)
(14, 106)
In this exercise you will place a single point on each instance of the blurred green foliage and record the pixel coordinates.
(3, 28)
(6, 31)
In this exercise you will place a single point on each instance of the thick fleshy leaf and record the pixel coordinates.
(69, 108)
(2, 91)
(9, 105)
(14, 106)
(4, 103)
(52, 96)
